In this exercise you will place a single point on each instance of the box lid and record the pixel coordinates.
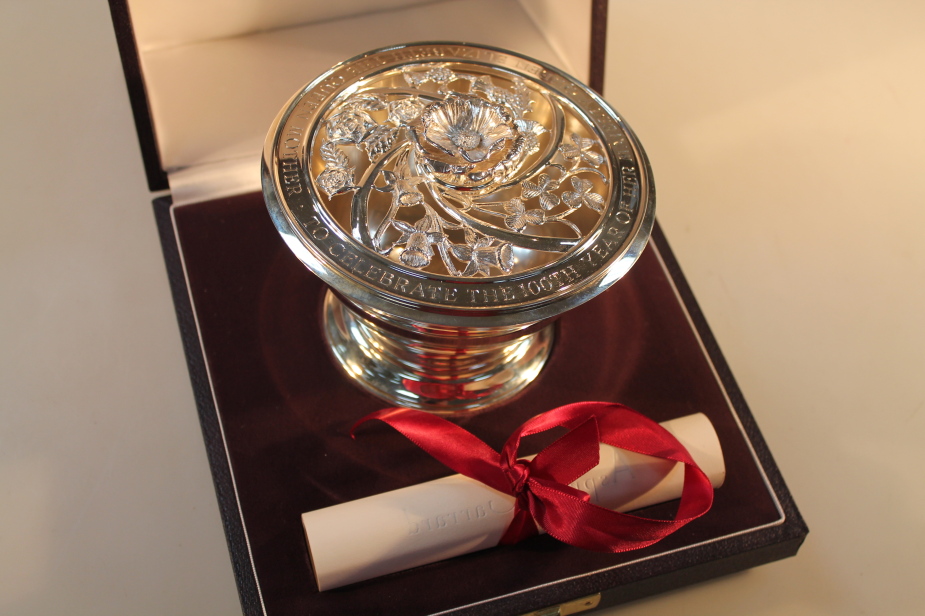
(205, 79)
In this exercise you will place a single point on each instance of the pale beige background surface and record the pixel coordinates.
(788, 143)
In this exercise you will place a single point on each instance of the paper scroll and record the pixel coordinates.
(455, 515)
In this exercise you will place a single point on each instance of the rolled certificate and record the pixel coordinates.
(456, 515)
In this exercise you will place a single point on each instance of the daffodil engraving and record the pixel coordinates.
(418, 240)
(483, 255)
(462, 174)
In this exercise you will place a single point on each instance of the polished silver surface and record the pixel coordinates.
(446, 370)
(443, 189)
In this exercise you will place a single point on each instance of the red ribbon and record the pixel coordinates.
(540, 486)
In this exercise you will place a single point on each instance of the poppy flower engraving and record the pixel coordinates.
(469, 137)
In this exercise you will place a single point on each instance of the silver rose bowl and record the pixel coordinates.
(455, 199)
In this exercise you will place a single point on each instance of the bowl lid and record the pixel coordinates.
(454, 184)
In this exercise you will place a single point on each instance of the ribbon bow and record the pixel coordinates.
(540, 486)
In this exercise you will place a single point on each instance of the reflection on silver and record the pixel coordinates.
(454, 196)
(432, 369)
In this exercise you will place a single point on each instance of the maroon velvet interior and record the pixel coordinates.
(286, 412)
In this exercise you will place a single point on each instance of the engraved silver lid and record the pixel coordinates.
(457, 185)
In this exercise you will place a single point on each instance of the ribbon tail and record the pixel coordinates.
(521, 527)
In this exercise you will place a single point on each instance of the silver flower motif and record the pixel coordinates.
(349, 126)
(517, 100)
(334, 180)
(518, 217)
(417, 240)
(439, 75)
(581, 148)
(405, 110)
(337, 175)
(403, 189)
(530, 131)
(468, 140)
(582, 195)
(467, 127)
(543, 189)
(417, 252)
(378, 141)
(482, 256)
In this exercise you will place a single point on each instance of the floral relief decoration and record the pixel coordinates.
(472, 177)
